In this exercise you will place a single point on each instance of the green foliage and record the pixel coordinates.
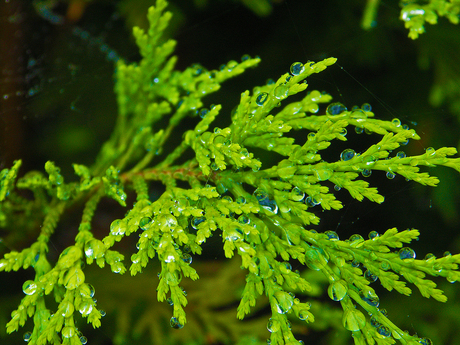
(415, 15)
(264, 214)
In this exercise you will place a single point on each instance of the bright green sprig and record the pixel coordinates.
(7, 178)
(262, 213)
(113, 186)
(415, 15)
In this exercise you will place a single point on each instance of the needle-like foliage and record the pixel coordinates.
(265, 215)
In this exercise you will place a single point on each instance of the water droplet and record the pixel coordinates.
(244, 219)
(304, 314)
(374, 322)
(401, 154)
(338, 290)
(173, 278)
(385, 266)
(356, 240)
(283, 301)
(406, 127)
(203, 113)
(323, 174)
(451, 278)
(234, 234)
(102, 312)
(337, 188)
(240, 200)
(384, 331)
(175, 323)
(332, 235)
(430, 151)
(353, 320)
(425, 341)
(286, 265)
(369, 297)
(29, 287)
(335, 108)
(68, 332)
(94, 249)
(196, 221)
(406, 253)
(296, 194)
(315, 258)
(343, 132)
(396, 122)
(370, 276)
(366, 172)
(270, 82)
(347, 155)
(390, 175)
(311, 136)
(68, 309)
(359, 130)
(262, 98)
(27, 336)
(312, 201)
(281, 92)
(297, 68)
(187, 258)
(264, 201)
(430, 257)
(170, 258)
(366, 107)
(373, 234)
(144, 223)
(273, 325)
(245, 57)
(118, 227)
(85, 308)
(83, 340)
(214, 166)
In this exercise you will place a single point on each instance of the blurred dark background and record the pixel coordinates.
(57, 103)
